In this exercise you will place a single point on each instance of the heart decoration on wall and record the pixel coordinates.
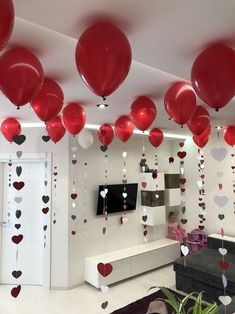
(221, 201)
(105, 269)
(18, 185)
(16, 291)
(19, 139)
(219, 153)
(46, 138)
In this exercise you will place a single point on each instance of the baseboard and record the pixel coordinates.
(69, 287)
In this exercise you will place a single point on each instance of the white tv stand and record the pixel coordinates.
(131, 261)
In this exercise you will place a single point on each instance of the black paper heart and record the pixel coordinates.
(45, 199)
(104, 230)
(103, 148)
(46, 138)
(18, 213)
(144, 218)
(183, 210)
(19, 139)
(45, 228)
(17, 226)
(104, 305)
(124, 181)
(45, 183)
(221, 216)
(74, 161)
(54, 222)
(16, 273)
(184, 221)
(18, 170)
(73, 217)
(200, 216)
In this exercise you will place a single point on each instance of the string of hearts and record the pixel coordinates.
(123, 218)
(74, 193)
(45, 208)
(201, 189)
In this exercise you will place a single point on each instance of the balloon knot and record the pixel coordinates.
(104, 98)
(18, 107)
(181, 126)
(217, 109)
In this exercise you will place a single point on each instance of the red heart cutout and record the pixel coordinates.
(220, 186)
(182, 181)
(201, 227)
(154, 175)
(182, 154)
(55, 173)
(74, 196)
(223, 264)
(18, 185)
(73, 232)
(15, 291)
(171, 160)
(124, 206)
(45, 210)
(9, 164)
(145, 232)
(181, 144)
(144, 184)
(182, 190)
(202, 176)
(105, 269)
(17, 238)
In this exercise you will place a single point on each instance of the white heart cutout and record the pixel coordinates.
(104, 289)
(143, 168)
(199, 183)
(124, 194)
(182, 171)
(103, 194)
(106, 190)
(124, 170)
(184, 250)
(125, 220)
(74, 149)
(124, 154)
(73, 204)
(225, 299)
(223, 251)
(224, 280)
(157, 196)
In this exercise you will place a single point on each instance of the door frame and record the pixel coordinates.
(44, 157)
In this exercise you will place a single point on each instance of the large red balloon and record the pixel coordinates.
(103, 58)
(213, 75)
(199, 121)
(105, 134)
(6, 21)
(49, 101)
(155, 137)
(229, 135)
(55, 129)
(202, 139)
(180, 102)
(21, 75)
(143, 112)
(124, 128)
(10, 128)
(73, 118)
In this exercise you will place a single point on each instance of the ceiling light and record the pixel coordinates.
(102, 106)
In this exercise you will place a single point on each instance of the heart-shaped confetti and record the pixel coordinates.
(74, 196)
(220, 201)
(124, 220)
(124, 170)
(201, 227)
(103, 194)
(144, 184)
(181, 144)
(73, 204)
(45, 199)
(46, 138)
(154, 174)
(45, 210)
(18, 185)
(45, 227)
(223, 264)
(224, 280)
(202, 166)
(18, 170)
(184, 250)
(225, 299)
(104, 305)
(105, 269)
(17, 238)
(182, 154)
(104, 289)
(182, 190)
(182, 171)
(183, 209)
(124, 154)
(157, 196)
(145, 233)
(18, 199)
(16, 291)
(219, 153)
(16, 274)
(104, 230)
(171, 160)
(124, 181)
(223, 251)
(144, 218)
(19, 139)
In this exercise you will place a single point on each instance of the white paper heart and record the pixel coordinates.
(202, 211)
(223, 251)
(104, 289)
(19, 153)
(73, 204)
(220, 201)
(74, 149)
(198, 157)
(124, 194)
(143, 168)
(199, 183)
(157, 196)
(183, 199)
(103, 194)
(124, 154)
(219, 153)
(225, 299)
(184, 250)
(182, 171)
(106, 190)
(202, 166)
(224, 280)
(18, 199)
(219, 174)
(124, 170)
(125, 220)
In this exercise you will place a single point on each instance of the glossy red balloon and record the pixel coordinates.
(202, 139)
(199, 121)
(6, 21)
(155, 137)
(103, 58)
(180, 102)
(143, 112)
(123, 128)
(213, 75)
(229, 135)
(55, 129)
(21, 75)
(49, 101)
(105, 134)
(73, 118)
(10, 128)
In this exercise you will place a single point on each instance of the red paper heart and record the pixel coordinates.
(202, 176)
(223, 264)
(105, 269)
(181, 144)
(182, 154)
(145, 232)
(15, 291)
(9, 164)
(17, 238)
(220, 186)
(18, 185)
(201, 227)
(55, 173)
(222, 232)
(74, 196)
(182, 190)
(144, 184)
(154, 175)
(124, 206)
(182, 181)
(73, 232)
(171, 160)
(45, 210)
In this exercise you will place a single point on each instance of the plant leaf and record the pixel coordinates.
(171, 298)
(151, 288)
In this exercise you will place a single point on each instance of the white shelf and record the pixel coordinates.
(172, 197)
(155, 215)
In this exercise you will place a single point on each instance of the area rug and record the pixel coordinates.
(141, 306)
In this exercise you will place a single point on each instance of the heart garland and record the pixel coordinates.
(181, 155)
(233, 176)
(85, 185)
(201, 188)
(45, 200)
(74, 195)
(55, 179)
(123, 218)
(144, 186)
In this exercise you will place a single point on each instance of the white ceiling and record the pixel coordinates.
(165, 36)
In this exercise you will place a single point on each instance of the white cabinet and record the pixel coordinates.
(172, 197)
(152, 216)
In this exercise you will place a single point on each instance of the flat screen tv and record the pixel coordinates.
(114, 198)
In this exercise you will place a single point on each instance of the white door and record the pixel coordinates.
(29, 258)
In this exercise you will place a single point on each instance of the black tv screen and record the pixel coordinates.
(114, 198)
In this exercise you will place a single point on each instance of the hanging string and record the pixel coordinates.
(124, 182)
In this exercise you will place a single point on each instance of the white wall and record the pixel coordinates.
(89, 240)
(59, 231)
(212, 166)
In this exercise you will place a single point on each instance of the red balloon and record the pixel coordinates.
(105, 134)
(199, 121)
(6, 21)
(73, 118)
(124, 128)
(213, 75)
(143, 112)
(49, 101)
(55, 129)
(21, 75)
(10, 128)
(155, 137)
(180, 102)
(229, 135)
(202, 139)
(103, 58)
